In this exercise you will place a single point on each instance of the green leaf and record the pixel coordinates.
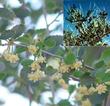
(58, 39)
(17, 31)
(81, 51)
(3, 24)
(71, 88)
(50, 71)
(78, 73)
(41, 32)
(6, 35)
(24, 39)
(60, 51)
(97, 99)
(69, 58)
(35, 14)
(99, 64)
(53, 5)
(106, 55)
(7, 14)
(87, 80)
(49, 42)
(64, 103)
(20, 49)
(66, 77)
(21, 12)
(2, 76)
(89, 56)
(40, 45)
(13, 33)
(26, 63)
(102, 76)
(100, 72)
(38, 89)
(54, 40)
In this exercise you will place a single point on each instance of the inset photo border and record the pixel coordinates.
(87, 22)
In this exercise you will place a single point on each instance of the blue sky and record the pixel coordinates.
(85, 5)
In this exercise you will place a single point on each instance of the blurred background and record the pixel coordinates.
(31, 13)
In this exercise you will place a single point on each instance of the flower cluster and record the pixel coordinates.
(35, 65)
(32, 49)
(77, 65)
(63, 83)
(101, 88)
(63, 67)
(86, 103)
(56, 76)
(36, 73)
(84, 91)
(78, 97)
(91, 90)
(41, 59)
(12, 58)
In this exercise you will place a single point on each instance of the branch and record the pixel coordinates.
(45, 16)
(105, 101)
(51, 54)
(54, 55)
(46, 52)
(88, 67)
(52, 90)
(74, 78)
(30, 94)
(55, 18)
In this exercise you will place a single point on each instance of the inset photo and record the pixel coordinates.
(87, 22)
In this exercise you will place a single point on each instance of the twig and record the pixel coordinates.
(52, 90)
(54, 55)
(74, 78)
(12, 82)
(105, 101)
(55, 18)
(29, 94)
(6, 44)
(45, 16)
(88, 67)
